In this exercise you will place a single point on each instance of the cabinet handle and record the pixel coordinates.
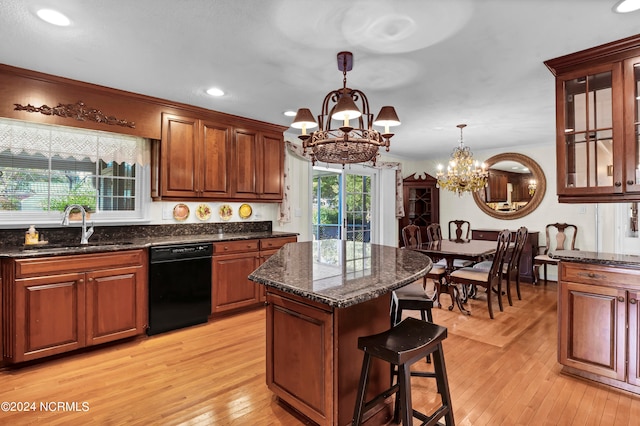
(630, 182)
(90, 280)
(620, 299)
(81, 281)
(632, 301)
(591, 275)
(617, 184)
(226, 248)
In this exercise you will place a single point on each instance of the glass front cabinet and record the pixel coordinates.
(597, 123)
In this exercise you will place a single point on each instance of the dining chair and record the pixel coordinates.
(560, 236)
(414, 296)
(510, 269)
(434, 233)
(459, 231)
(491, 280)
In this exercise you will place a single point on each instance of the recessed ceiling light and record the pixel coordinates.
(290, 113)
(214, 91)
(53, 17)
(626, 6)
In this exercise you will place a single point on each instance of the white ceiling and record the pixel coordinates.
(439, 62)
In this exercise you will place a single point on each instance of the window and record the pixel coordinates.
(45, 168)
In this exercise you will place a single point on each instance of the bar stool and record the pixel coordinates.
(402, 346)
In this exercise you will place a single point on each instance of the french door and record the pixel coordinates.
(343, 203)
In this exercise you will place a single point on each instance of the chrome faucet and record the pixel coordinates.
(85, 233)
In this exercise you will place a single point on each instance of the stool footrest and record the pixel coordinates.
(380, 397)
(431, 420)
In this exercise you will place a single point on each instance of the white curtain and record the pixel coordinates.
(68, 142)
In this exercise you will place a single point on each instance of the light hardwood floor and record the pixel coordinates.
(501, 372)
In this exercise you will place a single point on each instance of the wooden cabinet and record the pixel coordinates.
(204, 159)
(233, 261)
(59, 304)
(598, 123)
(421, 204)
(598, 323)
(529, 251)
(496, 189)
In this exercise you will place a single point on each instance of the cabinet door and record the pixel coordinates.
(244, 164)
(634, 338)
(592, 329)
(231, 289)
(49, 316)
(115, 304)
(271, 170)
(216, 151)
(590, 131)
(180, 154)
(632, 124)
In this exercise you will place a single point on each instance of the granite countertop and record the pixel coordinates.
(609, 259)
(341, 273)
(98, 246)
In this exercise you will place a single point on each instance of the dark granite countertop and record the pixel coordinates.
(107, 245)
(609, 259)
(339, 273)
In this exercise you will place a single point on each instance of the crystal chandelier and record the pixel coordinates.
(533, 185)
(463, 174)
(343, 143)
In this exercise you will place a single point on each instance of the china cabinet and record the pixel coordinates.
(421, 203)
(597, 123)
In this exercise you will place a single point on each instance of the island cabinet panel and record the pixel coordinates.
(598, 323)
(313, 360)
(58, 304)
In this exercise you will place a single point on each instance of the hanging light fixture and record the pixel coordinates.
(343, 143)
(533, 185)
(463, 174)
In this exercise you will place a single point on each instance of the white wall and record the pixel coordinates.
(549, 211)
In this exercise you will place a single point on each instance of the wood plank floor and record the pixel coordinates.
(501, 372)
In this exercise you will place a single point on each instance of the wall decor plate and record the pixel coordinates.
(225, 212)
(245, 211)
(180, 212)
(203, 212)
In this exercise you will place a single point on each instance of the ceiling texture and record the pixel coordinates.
(439, 62)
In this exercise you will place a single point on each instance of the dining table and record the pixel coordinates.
(473, 250)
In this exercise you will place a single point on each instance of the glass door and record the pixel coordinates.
(342, 204)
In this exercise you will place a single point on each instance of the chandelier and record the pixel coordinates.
(533, 185)
(343, 143)
(463, 174)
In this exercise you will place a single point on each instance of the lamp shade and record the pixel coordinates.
(387, 117)
(345, 109)
(304, 119)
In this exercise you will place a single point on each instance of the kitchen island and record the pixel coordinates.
(599, 318)
(322, 296)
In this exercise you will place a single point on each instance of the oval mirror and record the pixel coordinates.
(516, 186)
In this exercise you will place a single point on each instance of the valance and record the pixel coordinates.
(68, 142)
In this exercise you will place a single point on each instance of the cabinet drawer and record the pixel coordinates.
(276, 243)
(78, 263)
(236, 246)
(483, 234)
(599, 275)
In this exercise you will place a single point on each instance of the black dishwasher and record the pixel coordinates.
(179, 286)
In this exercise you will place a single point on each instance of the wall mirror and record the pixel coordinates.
(515, 188)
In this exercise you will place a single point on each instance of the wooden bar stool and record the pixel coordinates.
(402, 346)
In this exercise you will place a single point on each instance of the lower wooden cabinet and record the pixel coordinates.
(59, 304)
(233, 261)
(598, 319)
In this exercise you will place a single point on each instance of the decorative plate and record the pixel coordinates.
(225, 212)
(245, 211)
(181, 212)
(203, 212)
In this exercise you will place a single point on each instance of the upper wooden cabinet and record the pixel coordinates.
(203, 159)
(597, 123)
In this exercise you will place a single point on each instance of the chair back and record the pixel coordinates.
(411, 237)
(504, 238)
(516, 254)
(560, 236)
(459, 231)
(434, 233)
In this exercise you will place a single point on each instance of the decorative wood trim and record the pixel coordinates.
(78, 111)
